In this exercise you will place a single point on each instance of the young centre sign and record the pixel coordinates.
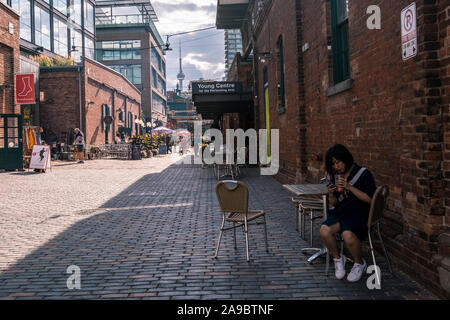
(216, 87)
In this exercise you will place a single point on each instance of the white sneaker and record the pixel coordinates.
(339, 267)
(357, 271)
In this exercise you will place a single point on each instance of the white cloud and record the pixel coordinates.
(202, 52)
(207, 68)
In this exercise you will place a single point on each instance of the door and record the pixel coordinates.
(11, 143)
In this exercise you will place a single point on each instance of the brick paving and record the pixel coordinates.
(147, 230)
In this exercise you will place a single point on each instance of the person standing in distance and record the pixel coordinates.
(79, 143)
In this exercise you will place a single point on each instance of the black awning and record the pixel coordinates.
(231, 13)
(212, 105)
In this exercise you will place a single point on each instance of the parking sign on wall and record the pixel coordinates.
(409, 31)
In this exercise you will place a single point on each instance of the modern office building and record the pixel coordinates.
(233, 44)
(128, 42)
(53, 28)
(56, 27)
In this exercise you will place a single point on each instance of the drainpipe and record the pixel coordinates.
(80, 98)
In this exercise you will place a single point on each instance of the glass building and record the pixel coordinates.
(233, 44)
(62, 27)
(127, 41)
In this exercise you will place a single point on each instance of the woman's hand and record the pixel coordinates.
(342, 182)
(331, 188)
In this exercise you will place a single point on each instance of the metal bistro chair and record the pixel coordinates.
(234, 201)
(307, 206)
(377, 207)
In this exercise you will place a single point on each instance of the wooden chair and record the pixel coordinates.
(377, 207)
(234, 205)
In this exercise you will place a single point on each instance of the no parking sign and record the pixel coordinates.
(409, 31)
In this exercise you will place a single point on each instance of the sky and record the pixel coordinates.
(203, 52)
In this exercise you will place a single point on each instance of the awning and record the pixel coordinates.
(231, 13)
(214, 98)
(211, 106)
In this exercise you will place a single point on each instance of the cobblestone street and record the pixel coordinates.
(148, 229)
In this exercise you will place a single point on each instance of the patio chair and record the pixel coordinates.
(377, 207)
(307, 206)
(234, 205)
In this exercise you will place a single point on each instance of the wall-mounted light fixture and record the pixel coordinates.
(90, 103)
(263, 56)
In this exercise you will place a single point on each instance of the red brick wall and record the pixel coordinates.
(444, 55)
(99, 85)
(281, 20)
(9, 58)
(60, 113)
(391, 120)
(394, 119)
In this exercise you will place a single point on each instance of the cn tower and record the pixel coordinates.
(180, 75)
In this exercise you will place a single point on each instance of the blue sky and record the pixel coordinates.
(202, 52)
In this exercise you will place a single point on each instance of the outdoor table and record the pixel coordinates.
(309, 190)
(223, 151)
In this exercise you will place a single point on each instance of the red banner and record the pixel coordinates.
(25, 88)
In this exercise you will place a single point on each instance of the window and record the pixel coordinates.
(41, 27)
(76, 45)
(281, 89)
(61, 5)
(119, 50)
(75, 11)
(137, 75)
(339, 26)
(60, 37)
(130, 120)
(161, 85)
(24, 8)
(154, 77)
(89, 49)
(131, 72)
(156, 59)
(158, 103)
(89, 16)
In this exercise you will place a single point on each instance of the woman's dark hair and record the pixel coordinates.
(341, 153)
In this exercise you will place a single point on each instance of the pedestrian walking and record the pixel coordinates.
(79, 143)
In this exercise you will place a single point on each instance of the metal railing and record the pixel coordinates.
(130, 19)
(122, 19)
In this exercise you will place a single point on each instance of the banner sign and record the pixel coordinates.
(25, 88)
(216, 87)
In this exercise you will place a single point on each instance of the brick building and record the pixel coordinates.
(81, 96)
(9, 58)
(321, 76)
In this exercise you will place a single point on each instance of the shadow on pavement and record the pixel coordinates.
(156, 240)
